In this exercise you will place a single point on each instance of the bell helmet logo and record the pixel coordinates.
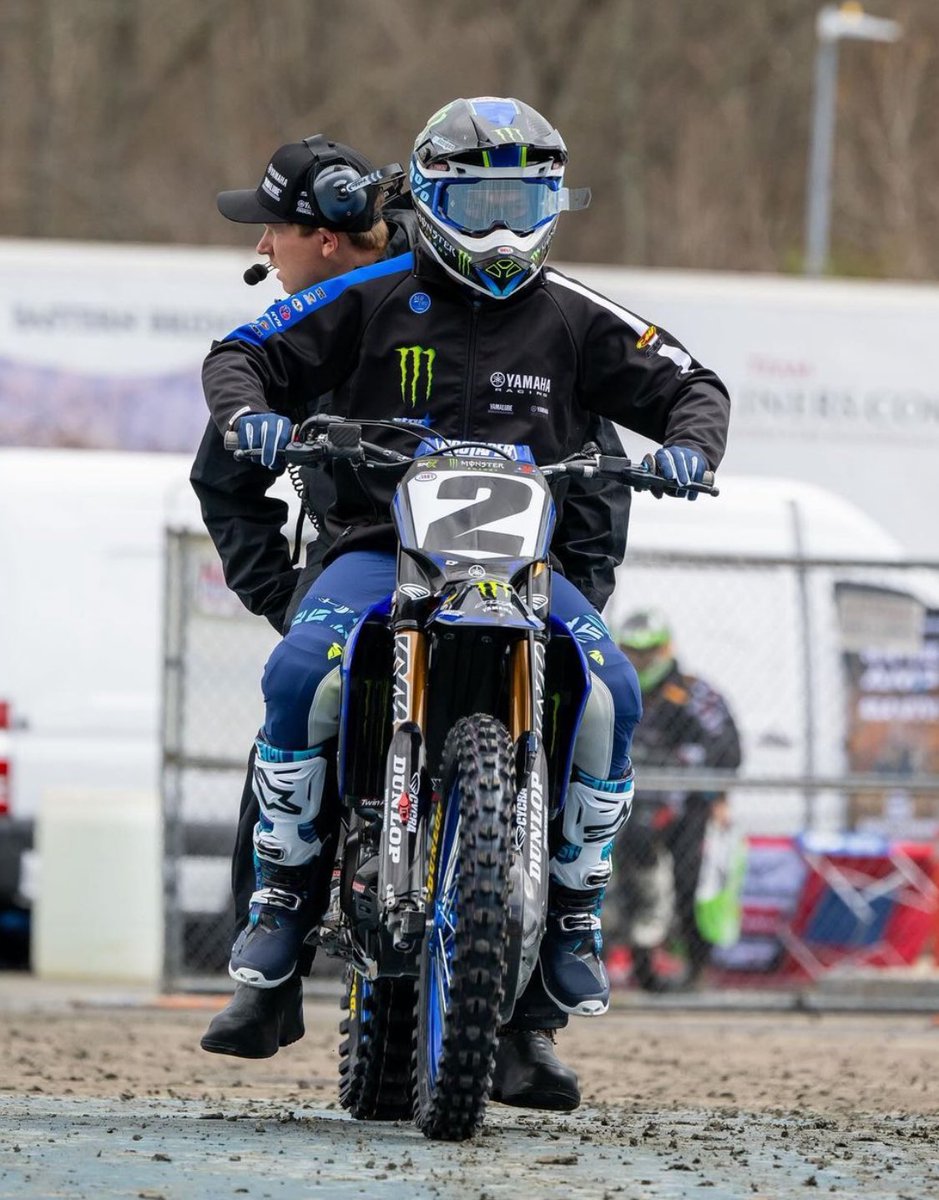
(497, 379)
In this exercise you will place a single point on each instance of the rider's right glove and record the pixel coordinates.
(267, 432)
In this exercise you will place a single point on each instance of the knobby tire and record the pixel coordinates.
(477, 774)
(375, 1056)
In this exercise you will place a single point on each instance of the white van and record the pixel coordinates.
(81, 563)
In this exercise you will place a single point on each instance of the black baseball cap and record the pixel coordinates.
(284, 194)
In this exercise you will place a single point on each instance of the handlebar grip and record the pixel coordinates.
(230, 439)
(708, 479)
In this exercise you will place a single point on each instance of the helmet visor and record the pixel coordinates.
(480, 205)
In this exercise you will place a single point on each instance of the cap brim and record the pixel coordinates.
(244, 206)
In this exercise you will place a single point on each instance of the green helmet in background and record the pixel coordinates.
(646, 638)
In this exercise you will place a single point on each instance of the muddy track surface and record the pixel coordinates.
(105, 1100)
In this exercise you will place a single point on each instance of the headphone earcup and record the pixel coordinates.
(329, 200)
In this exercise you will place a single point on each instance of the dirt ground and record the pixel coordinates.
(748, 1104)
(779, 1061)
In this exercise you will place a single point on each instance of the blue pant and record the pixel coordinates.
(301, 685)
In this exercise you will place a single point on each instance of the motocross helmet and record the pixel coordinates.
(647, 640)
(486, 182)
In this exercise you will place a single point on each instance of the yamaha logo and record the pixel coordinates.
(497, 379)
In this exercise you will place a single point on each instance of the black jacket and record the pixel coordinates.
(685, 723)
(401, 339)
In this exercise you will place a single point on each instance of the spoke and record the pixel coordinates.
(442, 997)
(443, 958)
(447, 882)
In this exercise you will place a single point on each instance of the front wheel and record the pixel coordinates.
(463, 965)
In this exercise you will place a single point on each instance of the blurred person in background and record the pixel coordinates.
(246, 525)
(686, 724)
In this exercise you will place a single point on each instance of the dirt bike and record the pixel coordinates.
(449, 768)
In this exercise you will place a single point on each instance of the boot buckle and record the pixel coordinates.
(274, 897)
(582, 922)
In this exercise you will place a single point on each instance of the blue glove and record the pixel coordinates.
(682, 464)
(267, 432)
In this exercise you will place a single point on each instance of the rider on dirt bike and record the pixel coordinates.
(472, 334)
(246, 527)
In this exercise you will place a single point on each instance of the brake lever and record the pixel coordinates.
(705, 485)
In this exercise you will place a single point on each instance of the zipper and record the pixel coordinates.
(470, 369)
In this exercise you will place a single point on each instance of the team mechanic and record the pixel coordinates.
(307, 246)
(471, 332)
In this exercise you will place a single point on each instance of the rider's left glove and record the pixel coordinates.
(683, 465)
(267, 432)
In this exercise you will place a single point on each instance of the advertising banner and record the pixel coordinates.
(101, 347)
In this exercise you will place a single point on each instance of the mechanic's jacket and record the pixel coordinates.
(246, 524)
(400, 339)
(685, 723)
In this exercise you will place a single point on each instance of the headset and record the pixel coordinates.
(339, 192)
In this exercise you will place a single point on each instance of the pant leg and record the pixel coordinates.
(687, 847)
(615, 703)
(301, 679)
(601, 749)
(243, 875)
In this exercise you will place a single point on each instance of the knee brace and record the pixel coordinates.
(594, 812)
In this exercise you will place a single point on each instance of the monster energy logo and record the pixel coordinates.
(508, 134)
(463, 262)
(414, 362)
(491, 589)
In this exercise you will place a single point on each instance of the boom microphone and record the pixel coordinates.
(257, 273)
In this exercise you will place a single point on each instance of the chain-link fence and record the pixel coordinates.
(214, 653)
(788, 769)
(788, 765)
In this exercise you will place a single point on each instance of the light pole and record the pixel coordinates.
(831, 25)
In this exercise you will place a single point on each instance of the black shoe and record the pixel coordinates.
(256, 1022)
(528, 1074)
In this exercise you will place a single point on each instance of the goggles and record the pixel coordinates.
(480, 205)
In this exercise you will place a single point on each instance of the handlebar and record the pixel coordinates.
(342, 439)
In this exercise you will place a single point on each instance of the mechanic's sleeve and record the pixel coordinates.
(718, 733)
(640, 376)
(246, 527)
(590, 540)
(298, 349)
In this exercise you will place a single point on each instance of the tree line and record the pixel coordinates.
(688, 118)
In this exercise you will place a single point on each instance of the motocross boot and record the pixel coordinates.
(572, 970)
(288, 849)
(528, 1073)
(256, 1022)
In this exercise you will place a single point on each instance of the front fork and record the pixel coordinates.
(528, 894)
(406, 802)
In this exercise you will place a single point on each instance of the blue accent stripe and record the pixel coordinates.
(285, 314)
(273, 754)
(617, 787)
